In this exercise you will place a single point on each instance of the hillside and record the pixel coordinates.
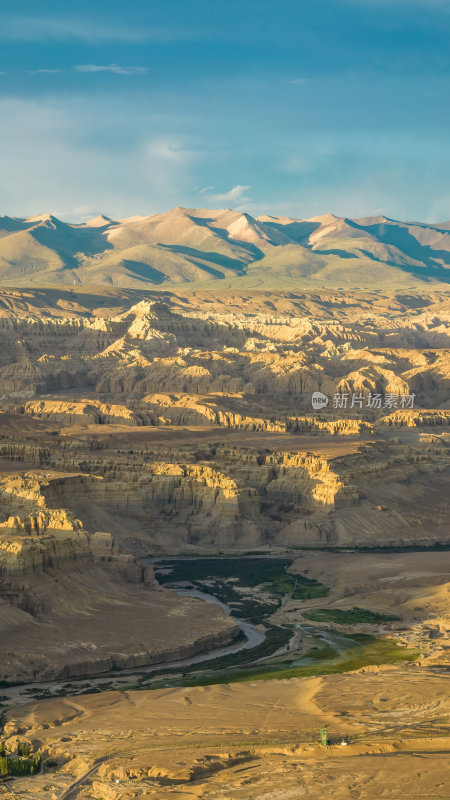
(201, 246)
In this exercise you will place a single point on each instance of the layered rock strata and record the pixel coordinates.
(71, 603)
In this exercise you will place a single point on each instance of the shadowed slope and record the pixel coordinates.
(200, 246)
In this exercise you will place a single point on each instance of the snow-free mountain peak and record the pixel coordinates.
(189, 245)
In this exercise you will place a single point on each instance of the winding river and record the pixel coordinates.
(27, 692)
(254, 637)
(117, 679)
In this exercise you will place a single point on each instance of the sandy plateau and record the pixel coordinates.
(150, 434)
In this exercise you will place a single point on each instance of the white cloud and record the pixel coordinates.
(44, 71)
(236, 195)
(44, 29)
(115, 68)
(82, 213)
(170, 150)
(300, 81)
(53, 158)
(166, 166)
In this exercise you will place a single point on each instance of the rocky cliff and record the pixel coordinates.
(71, 603)
(183, 424)
(159, 362)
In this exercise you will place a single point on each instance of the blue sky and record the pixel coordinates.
(291, 107)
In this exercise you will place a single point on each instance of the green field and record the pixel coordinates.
(350, 616)
(364, 650)
(297, 586)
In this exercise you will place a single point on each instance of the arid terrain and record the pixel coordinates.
(259, 738)
(204, 246)
(159, 448)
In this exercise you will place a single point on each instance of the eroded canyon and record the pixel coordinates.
(141, 424)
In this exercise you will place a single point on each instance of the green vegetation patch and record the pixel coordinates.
(248, 571)
(269, 573)
(350, 616)
(299, 587)
(276, 637)
(24, 763)
(308, 588)
(366, 650)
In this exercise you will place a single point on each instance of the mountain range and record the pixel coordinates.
(201, 246)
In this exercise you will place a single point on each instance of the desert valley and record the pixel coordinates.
(209, 586)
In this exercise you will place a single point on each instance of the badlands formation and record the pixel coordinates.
(177, 421)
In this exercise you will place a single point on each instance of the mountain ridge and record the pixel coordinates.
(200, 246)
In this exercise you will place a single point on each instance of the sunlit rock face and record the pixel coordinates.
(73, 602)
(136, 423)
(185, 420)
